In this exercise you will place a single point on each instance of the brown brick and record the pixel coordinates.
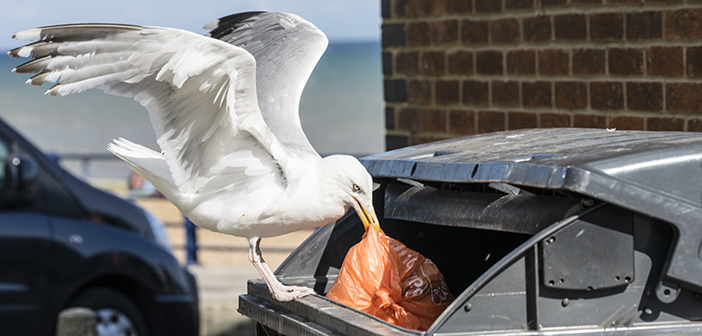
(554, 120)
(447, 92)
(434, 120)
(626, 62)
(474, 32)
(444, 32)
(626, 123)
(519, 4)
(587, 2)
(537, 29)
(624, 1)
(589, 121)
(683, 97)
(570, 27)
(407, 63)
(665, 124)
(418, 34)
(694, 61)
(489, 62)
(571, 95)
(644, 96)
(521, 62)
(644, 25)
(491, 121)
(694, 125)
(475, 93)
(460, 62)
(664, 61)
(405, 8)
(504, 31)
(588, 61)
(485, 6)
(433, 63)
(431, 7)
(536, 94)
(505, 93)
(389, 118)
(606, 26)
(387, 61)
(462, 122)
(518, 120)
(393, 34)
(419, 91)
(683, 24)
(458, 6)
(606, 95)
(553, 62)
(395, 90)
(410, 119)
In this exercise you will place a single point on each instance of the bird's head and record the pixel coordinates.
(353, 185)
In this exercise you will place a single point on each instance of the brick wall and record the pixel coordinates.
(460, 67)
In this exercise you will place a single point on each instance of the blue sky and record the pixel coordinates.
(341, 20)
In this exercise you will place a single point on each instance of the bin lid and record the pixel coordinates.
(653, 173)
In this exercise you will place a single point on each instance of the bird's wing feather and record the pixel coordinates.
(200, 94)
(286, 48)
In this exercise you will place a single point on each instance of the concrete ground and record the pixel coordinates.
(224, 268)
(219, 289)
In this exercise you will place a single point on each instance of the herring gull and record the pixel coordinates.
(234, 158)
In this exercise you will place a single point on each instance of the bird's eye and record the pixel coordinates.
(356, 187)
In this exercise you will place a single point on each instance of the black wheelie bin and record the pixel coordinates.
(537, 232)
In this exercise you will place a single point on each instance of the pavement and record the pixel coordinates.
(224, 268)
(219, 289)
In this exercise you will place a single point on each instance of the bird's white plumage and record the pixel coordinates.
(201, 96)
(28, 35)
(233, 158)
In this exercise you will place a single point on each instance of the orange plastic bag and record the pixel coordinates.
(383, 277)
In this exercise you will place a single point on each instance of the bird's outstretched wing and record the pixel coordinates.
(286, 48)
(200, 94)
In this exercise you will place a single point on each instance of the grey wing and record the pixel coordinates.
(286, 49)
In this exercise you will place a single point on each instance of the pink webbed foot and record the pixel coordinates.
(289, 293)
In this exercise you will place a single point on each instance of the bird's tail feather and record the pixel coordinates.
(146, 162)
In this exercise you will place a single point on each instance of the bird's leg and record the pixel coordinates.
(279, 291)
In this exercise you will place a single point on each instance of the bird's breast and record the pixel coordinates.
(276, 218)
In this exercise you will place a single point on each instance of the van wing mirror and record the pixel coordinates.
(21, 176)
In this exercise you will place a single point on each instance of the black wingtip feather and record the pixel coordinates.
(84, 31)
(33, 66)
(14, 53)
(229, 23)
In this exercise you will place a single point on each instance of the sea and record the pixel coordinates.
(341, 111)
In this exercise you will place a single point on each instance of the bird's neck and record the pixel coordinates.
(312, 198)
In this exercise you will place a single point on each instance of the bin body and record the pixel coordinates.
(544, 231)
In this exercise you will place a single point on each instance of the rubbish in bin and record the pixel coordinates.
(383, 277)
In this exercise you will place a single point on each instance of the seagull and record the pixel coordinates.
(233, 156)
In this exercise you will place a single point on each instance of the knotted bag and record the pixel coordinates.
(383, 277)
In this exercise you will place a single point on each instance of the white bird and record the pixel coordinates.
(234, 158)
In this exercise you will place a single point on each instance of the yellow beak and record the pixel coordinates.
(367, 215)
